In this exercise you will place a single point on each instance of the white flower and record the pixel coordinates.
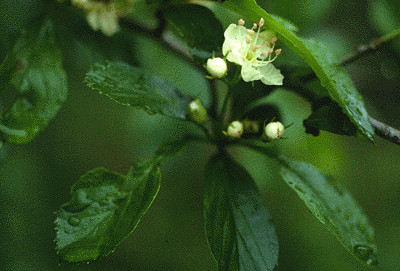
(252, 50)
(104, 18)
(235, 129)
(104, 15)
(274, 130)
(217, 67)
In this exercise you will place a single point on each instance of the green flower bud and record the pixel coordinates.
(197, 112)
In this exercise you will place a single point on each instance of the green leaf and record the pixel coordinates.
(172, 147)
(105, 208)
(219, 221)
(332, 76)
(139, 88)
(328, 116)
(41, 84)
(334, 207)
(199, 27)
(286, 23)
(233, 206)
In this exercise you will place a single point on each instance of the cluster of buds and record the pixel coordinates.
(104, 15)
(272, 131)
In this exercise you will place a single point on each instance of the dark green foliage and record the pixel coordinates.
(334, 207)
(105, 208)
(238, 225)
(39, 80)
(328, 116)
(139, 88)
(200, 29)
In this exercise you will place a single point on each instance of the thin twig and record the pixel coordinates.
(214, 100)
(374, 45)
(381, 129)
(385, 131)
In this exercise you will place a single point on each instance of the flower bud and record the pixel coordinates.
(251, 126)
(197, 112)
(235, 129)
(217, 67)
(274, 130)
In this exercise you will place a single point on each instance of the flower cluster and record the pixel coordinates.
(250, 49)
(104, 15)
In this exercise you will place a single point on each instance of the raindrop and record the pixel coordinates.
(298, 189)
(365, 253)
(120, 195)
(358, 111)
(74, 221)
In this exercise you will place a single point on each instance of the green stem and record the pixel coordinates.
(222, 115)
(231, 85)
(205, 130)
(392, 35)
(237, 76)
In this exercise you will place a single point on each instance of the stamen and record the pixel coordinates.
(270, 51)
(256, 47)
(254, 26)
(249, 31)
(278, 52)
(248, 40)
(241, 22)
(273, 40)
(256, 36)
(263, 53)
(261, 23)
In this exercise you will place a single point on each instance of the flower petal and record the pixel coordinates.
(249, 73)
(235, 43)
(270, 75)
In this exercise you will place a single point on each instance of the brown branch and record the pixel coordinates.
(385, 131)
(374, 45)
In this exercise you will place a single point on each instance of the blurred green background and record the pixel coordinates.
(92, 131)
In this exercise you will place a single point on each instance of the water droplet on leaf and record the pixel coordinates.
(365, 253)
(74, 221)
